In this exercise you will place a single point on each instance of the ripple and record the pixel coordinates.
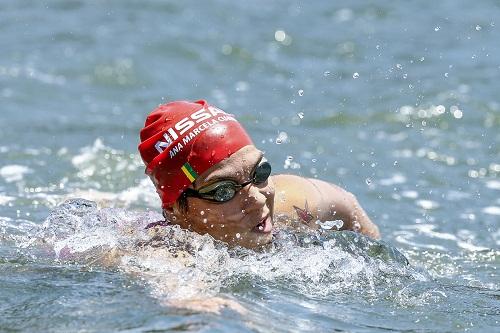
(4, 199)
(397, 178)
(14, 172)
(493, 184)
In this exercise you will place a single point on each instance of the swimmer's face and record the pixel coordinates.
(247, 218)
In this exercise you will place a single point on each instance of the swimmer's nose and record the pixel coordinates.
(255, 198)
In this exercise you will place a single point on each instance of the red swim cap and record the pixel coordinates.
(181, 140)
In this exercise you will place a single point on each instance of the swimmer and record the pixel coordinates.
(211, 179)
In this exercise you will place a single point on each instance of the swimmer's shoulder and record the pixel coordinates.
(309, 200)
(297, 198)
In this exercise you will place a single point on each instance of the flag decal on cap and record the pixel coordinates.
(189, 172)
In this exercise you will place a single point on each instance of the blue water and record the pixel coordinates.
(395, 101)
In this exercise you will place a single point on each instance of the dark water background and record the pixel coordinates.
(396, 101)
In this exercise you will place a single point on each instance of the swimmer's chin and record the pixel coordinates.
(258, 236)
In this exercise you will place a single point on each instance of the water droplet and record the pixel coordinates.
(279, 35)
(205, 220)
(437, 28)
(301, 92)
(227, 49)
(238, 235)
(300, 115)
(326, 73)
(328, 225)
(243, 211)
(368, 181)
(202, 212)
(282, 138)
(355, 75)
(356, 227)
(478, 27)
(261, 227)
(457, 114)
(395, 162)
(446, 74)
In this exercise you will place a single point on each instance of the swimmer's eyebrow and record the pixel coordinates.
(214, 178)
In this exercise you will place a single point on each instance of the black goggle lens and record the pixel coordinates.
(224, 193)
(262, 172)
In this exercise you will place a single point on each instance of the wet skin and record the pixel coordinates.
(248, 219)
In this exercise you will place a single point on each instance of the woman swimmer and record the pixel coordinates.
(212, 179)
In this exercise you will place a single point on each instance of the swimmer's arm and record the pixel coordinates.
(343, 205)
(212, 304)
(311, 199)
(202, 303)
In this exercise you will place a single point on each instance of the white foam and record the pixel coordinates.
(179, 264)
(492, 210)
(99, 161)
(427, 204)
(493, 184)
(407, 238)
(144, 193)
(395, 179)
(82, 242)
(471, 247)
(428, 229)
(4, 199)
(410, 194)
(14, 172)
(88, 153)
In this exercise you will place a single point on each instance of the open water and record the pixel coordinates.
(395, 101)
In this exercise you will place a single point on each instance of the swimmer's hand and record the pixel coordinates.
(210, 304)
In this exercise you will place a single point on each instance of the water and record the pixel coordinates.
(397, 103)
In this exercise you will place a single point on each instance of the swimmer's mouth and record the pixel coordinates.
(265, 226)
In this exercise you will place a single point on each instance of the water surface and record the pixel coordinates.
(396, 102)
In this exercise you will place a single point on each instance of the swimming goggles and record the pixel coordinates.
(225, 190)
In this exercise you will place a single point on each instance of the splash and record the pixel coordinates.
(178, 264)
